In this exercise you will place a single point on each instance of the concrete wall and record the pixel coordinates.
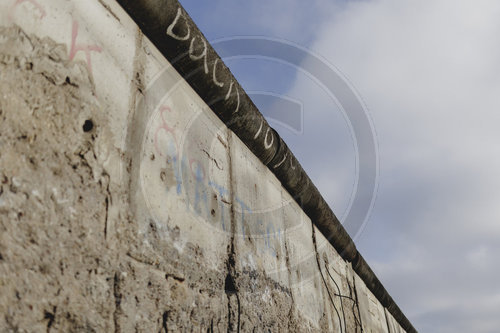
(127, 205)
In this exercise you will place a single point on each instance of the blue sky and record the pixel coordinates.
(428, 72)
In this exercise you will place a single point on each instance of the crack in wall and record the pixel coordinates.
(118, 299)
(323, 277)
(356, 304)
(164, 324)
(231, 290)
(233, 279)
(213, 159)
(230, 287)
(339, 294)
(289, 271)
(107, 201)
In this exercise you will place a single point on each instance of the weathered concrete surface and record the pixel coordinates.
(55, 269)
(127, 205)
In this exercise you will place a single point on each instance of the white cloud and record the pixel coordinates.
(429, 73)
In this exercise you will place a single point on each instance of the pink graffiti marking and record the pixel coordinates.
(86, 48)
(164, 126)
(40, 8)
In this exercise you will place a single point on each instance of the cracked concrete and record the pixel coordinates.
(117, 216)
(55, 272)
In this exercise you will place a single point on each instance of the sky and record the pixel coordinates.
(428, 73)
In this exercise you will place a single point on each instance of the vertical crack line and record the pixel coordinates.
(229, 326)
(232, 214)
(164, 325)
(323, 277)
(106, 201)
(239, 311)
(339, 295)
(356, 304)
(230, 287)
(289, 269)
(118, 299)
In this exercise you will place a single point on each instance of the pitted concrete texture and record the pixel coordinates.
(55, 270)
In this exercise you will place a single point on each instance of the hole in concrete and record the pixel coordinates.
(229, 286)
(88, 125)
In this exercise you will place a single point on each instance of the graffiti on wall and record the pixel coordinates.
(197, 174)
(21, 7)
